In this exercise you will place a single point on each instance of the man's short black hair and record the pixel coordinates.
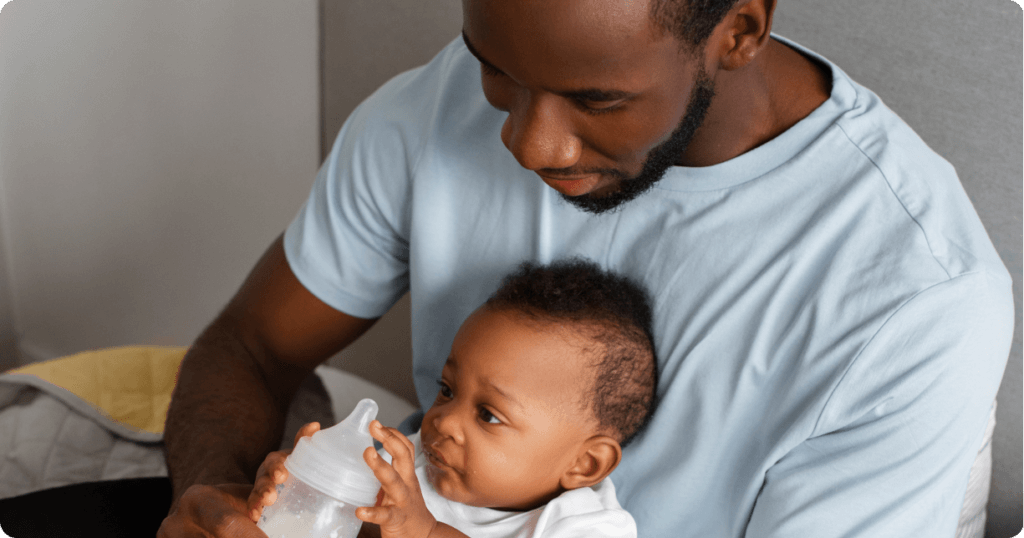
(690, 21)
(610, 310)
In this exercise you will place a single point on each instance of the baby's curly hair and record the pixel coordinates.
(611, 311)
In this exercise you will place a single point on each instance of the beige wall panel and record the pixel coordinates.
(149, 153)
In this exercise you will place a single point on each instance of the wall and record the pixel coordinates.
(8, 333)
(149, 153)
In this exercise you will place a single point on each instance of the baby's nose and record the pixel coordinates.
(448, 424)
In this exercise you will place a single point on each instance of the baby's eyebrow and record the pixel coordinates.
(511, 399)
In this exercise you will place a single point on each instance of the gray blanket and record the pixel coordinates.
(49, 438)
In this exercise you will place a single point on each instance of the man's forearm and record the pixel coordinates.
(224, 416)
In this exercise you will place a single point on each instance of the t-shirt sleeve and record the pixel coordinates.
(349, 243)
(893, 447)
(586, 513)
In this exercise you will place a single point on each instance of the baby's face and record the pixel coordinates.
(508, 421)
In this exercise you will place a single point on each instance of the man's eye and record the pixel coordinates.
(599, 107)
(488, 417)
(490, 71)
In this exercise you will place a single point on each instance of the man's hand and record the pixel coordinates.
(400, 510)
(211, 511)
(222, 510)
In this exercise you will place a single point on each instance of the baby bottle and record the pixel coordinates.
(327, 480)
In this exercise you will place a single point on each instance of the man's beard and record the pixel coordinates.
(658, 159)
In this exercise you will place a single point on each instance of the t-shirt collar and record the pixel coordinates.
(777, 151)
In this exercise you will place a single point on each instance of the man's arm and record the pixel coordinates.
(234, 386)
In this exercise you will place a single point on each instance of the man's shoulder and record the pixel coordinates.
(924, 186)
(871, 128)
(881, 150)
(438, 107)
(449, 79)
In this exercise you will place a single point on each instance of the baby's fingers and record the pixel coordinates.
(380, 515)
(306, 431)
(391, 482)
(271, 473)
(403, 452)
(259, 499)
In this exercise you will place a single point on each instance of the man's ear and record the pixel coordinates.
(742, 34)
(597, 458)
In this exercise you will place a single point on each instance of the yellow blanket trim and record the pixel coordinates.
(132, 385)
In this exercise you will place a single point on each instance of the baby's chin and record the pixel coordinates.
(442, 483)
(434, 477)
(451, 488)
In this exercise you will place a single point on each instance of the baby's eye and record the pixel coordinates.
(488, 417)
(444, 390)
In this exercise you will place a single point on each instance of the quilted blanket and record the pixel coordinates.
(87, 417)
(100, 415)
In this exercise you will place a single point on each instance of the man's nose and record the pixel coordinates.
(539, 136)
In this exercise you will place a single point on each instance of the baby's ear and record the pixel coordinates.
(597, 458)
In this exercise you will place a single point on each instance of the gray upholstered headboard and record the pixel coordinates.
(951, 69)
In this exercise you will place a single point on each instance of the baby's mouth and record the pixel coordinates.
(434, 457)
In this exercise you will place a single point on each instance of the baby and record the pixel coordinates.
(544, 385)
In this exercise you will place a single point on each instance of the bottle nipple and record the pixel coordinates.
(332, 459)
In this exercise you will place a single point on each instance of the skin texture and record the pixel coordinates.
(228, 406)
(658, 160)
(507, 430)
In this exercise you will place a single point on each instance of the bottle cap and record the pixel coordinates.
(332, 459)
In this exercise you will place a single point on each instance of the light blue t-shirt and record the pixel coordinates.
(831, 320)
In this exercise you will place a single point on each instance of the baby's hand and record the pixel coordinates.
(400, 510)
(271, 474)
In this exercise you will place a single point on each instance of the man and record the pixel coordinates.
(831, 321)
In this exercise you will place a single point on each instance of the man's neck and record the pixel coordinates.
(755, 104)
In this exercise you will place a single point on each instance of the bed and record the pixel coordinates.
(99, 415)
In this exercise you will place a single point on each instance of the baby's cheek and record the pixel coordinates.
(498, 472)
(498, 460)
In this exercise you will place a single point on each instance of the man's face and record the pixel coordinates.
(600, 102)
